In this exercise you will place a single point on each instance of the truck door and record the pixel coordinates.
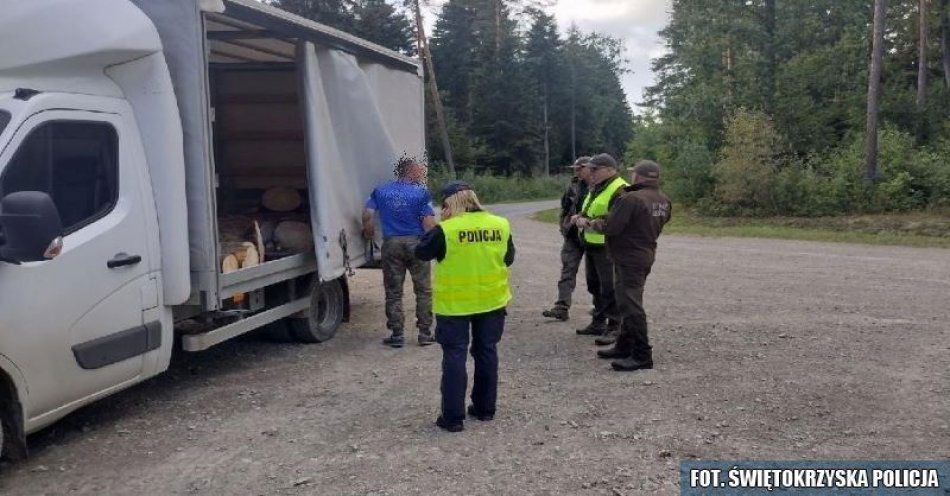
(74, 324)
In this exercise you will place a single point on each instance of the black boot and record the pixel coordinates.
(558, 313)
(459, 427)
(593, 329)
(609, 337)
(613, 353)
(479, 416)
(630, 364)
(395, 341)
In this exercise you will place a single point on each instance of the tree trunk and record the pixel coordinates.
(573, 111)
(426, 55)
(874, 90)
(547, 133)
(945, 40)
(922, 41)
(770, 56)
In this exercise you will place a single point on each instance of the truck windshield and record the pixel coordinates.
(4, 119)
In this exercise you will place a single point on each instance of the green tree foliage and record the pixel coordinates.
(759, 108)
(374, 20)
(502, 65)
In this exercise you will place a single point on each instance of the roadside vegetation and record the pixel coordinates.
(918, 229)
(500, 189)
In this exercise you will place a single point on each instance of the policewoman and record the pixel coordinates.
(473, 250)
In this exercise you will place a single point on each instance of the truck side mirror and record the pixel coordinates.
(31, 228)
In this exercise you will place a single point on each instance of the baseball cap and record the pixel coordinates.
(603, 160)
(454, 187)
(580, 162)
(647, 169)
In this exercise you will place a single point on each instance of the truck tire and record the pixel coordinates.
(327, 307)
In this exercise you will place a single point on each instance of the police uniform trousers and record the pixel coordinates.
(633, 336)
(484, 332)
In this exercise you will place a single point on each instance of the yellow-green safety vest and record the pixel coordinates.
(473, 277)
(597, 208)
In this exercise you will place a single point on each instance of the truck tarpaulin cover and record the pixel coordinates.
(360, 119)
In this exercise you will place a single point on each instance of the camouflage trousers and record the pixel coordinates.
(398, 258)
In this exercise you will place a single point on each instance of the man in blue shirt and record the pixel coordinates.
(405, 214)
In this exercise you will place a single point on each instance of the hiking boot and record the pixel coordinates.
(609, 337)
(395, 341)
(459, 427)
(556, 313)
(426, 339)
(594, 329)
(613, 353)
(630, 364)
(483, 418)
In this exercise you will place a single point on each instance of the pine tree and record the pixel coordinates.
(383, 24)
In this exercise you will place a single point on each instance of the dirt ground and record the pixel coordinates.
(764, 349)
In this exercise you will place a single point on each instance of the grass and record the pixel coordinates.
(920, 229)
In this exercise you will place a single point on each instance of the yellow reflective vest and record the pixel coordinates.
(597, 208)
(473, 277)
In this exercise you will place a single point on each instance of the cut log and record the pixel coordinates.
(251, 258)
(282, 199)
(228, 265)
(294, 236)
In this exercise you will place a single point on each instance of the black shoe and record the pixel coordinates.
(426, 339)
(609, 337)
(483, 418)
(613, 353)
(557, 313)
(630, 364)
(592, 330)
(459, 427)
(395, 341)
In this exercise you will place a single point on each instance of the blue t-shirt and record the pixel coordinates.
(401, 207)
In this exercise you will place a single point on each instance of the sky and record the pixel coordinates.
(634, 21)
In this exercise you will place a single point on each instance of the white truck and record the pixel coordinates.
(129, 131)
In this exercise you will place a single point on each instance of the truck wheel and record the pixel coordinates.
(324, 316)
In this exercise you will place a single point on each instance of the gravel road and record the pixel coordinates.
(764, 349)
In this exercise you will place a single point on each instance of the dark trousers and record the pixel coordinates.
(453, 334)
(572, 252)
(399, 258)
(633, 332)
(600, 284)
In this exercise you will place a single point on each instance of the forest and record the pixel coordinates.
(760, 107)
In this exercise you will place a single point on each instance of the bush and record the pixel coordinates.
(499, 189)
(746, 173)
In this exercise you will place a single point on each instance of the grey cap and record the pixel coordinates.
(603, 160)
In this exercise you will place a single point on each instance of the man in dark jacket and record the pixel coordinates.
(572, 249)
(632, 227)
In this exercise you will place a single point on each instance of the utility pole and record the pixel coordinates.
(874, 90)
(426, 55)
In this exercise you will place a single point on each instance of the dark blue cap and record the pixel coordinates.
(453, 187)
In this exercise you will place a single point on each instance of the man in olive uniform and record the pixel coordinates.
(606, 184)
(572, 249)
(632, 228)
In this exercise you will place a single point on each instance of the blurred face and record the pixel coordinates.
(417, 173)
